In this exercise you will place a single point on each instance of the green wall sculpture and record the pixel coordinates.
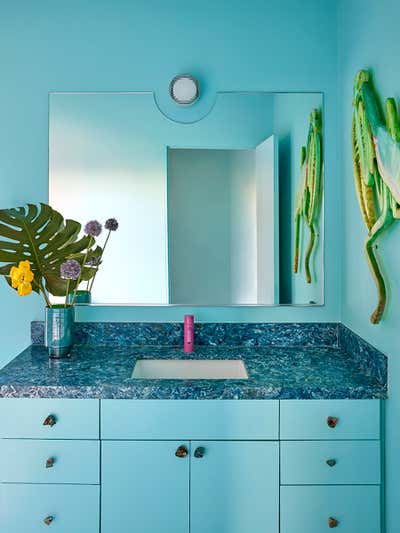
(309, 194)
(376, 160)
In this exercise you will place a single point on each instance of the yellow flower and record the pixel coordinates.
(22, 277)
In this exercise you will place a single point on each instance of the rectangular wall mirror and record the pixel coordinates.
(205, 210)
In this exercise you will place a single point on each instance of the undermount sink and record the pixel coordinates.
(189, 369)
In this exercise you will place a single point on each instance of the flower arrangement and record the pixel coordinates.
(43, 253)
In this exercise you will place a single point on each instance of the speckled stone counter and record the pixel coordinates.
(275, 372)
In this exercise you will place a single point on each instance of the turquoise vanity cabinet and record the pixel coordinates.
(215, 486)
(190, 466)
(220, 473)
(49, 465)
(330, 466)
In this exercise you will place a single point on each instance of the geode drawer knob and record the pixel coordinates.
(199, 452)
(181, 451)
(48, 520)
(50, 462)
(50, 421)
(332, 522)
(332, 421)
(331, 462)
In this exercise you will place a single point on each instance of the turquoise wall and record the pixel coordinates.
(369, 38)
(124, 45)
(113, 45)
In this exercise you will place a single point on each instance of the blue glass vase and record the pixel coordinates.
(59, 330)
(82, 297)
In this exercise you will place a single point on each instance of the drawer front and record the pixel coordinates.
(190, 419)
(329, 419)
(67, 508)
(330, 463)
(49, 461)
(318, 509)
(23, 418)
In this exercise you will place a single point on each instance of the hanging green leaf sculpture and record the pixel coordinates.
(40, 235)
(376, 161)
(309, 195)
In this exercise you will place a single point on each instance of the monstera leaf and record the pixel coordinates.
(40, 235)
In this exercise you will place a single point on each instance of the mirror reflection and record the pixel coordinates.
(206, 210)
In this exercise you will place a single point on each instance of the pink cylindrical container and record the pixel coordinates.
(188, 334)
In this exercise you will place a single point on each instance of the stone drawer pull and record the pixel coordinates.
(333, 522)
(50, 421)
(331, 462)
(181, 451)
(48, 520)
(199, 452)
(332, 421)
(50, 462)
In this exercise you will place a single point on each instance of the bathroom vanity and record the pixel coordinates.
(296, 447)
(170, 465)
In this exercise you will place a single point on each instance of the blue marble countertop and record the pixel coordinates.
(274, 373)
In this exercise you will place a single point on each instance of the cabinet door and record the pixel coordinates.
(145, 487)
(234, 487)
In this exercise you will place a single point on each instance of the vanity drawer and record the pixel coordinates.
(67, 508)
(329, 419)
(317, 509)
(24, 418)
(330, 463)
(49, 461)
(190, 419)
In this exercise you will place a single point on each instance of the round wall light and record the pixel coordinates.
(184, 89)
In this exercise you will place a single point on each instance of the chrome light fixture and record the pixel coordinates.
(184, 89)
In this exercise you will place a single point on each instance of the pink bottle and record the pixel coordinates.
(188, 334)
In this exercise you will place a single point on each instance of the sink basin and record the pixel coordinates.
(189, 369)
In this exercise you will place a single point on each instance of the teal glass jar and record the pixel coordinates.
(59, 330)
(82, 297)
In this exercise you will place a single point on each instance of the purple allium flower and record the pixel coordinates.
(111, 224)
(93, 228)
(71, 269)
(93, 261)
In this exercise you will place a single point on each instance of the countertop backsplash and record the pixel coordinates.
(283, 361)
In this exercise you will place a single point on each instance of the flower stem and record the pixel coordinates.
(99, 260)
(90, 244)
(43, 291)
(66, 294)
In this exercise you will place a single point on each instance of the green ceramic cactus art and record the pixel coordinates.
(309, 194)
(376, 160)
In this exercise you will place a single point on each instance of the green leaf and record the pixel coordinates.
(40, 235)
